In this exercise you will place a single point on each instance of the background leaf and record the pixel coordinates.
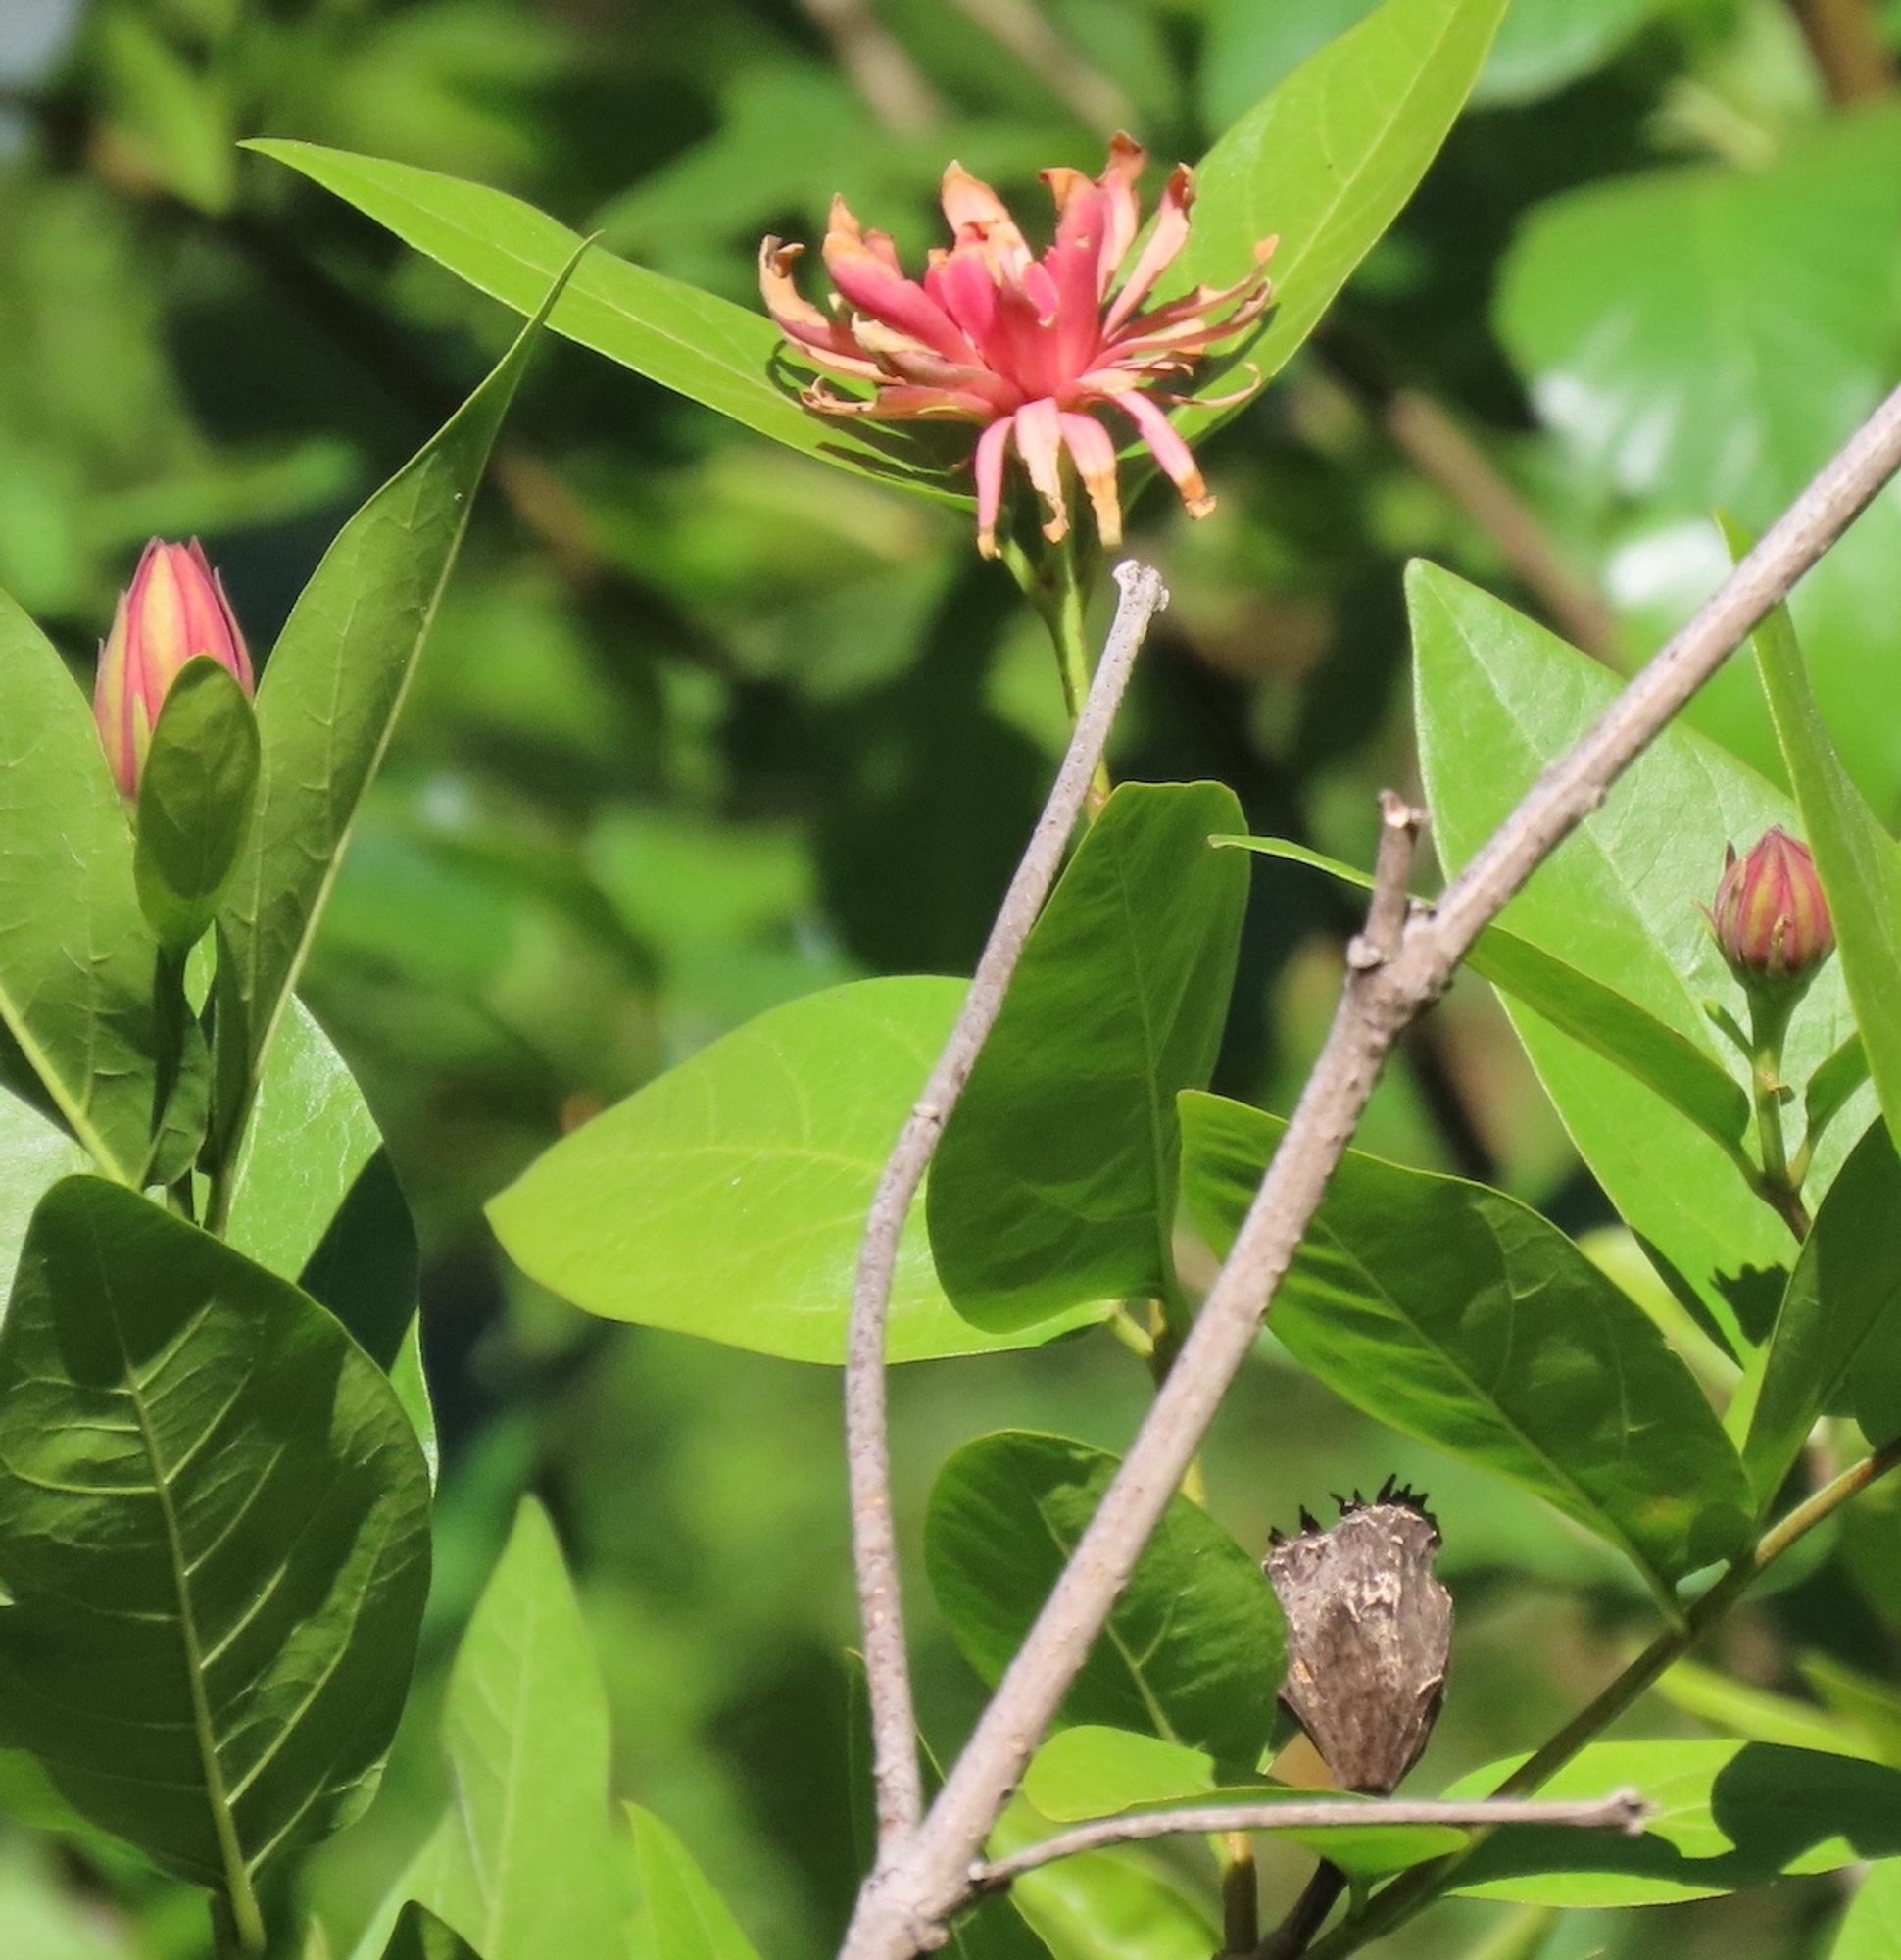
(1195, 1648)
(214, 1536)
(1054, 1183)
(728, 1199)
(1460, 1316)
(1870, 1929)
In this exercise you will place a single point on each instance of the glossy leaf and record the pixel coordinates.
(1499, 699)
(214, 1538)
(728, 1198)
(326, 708)
(723, 356)
(1870, 1928)
(525, 1862)
(677, 1914)
(1728, 1815)
(1097, 1771)
(1194, 1650)
(1327, 162)
(1054, 1183)
(194, 801)
(1587, 1009)
(1859, 862)
(1836, 1347)
(1458, 1315)
(76, 959)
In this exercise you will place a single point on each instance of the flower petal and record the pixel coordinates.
(987, 465)
(900, 402)
(1039, 441)
(1170, 451)
(963, 285)
(1093, 455)
(1120, 175)
(1164, 242)
(799, 319)
(873, 287)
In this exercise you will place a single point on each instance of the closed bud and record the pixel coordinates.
(1771, 915)
(1369, 1634)
(174, 612)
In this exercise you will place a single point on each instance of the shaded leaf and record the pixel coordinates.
(1458, 1315)
(1195, 1648)
(420, 1935)
(1054, 1183)
(214, 1534)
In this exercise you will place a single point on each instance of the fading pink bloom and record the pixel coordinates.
(174, 611)
(1028, 347)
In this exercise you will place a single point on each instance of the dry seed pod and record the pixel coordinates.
(1369, 1629)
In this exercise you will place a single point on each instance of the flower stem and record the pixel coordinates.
(1769, 1019)
(1414, 1889)
(1057, 583)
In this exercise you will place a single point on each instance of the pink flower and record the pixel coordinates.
(1027, 347)
(175, 610)
(1770, 916)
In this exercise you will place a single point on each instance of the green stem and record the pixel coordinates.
(1407, 1896)
(1769, 1019)
(1240, 1909)
(1056, 581)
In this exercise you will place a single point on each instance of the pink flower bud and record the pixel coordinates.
(174, 612)
(1771, 915)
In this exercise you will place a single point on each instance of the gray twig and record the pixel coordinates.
(905, 1904)
(1625, 1812)
(874, 1542)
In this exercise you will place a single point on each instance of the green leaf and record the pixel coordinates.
(316, 1199)
(1754, 1714)
(1054, 1183)
(678, 1915)
(728, 1198)
(1195, 1648)
(214, 1537)
(34, 1154)
(1870, 1928)
(76, 960)
(1105, 1905)
(525, 1863)
(1499, 698)
(1836, 1347)
(1860, 864)
(1730, 1815)
(1458, 1315)
(1634, 311)
(1091, 1772)
(194, 801)
(420, 1935)
(1327, 162)
(326, 708)
(723, 356)
(1591, 1012)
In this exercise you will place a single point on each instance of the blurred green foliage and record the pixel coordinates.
(706, 726)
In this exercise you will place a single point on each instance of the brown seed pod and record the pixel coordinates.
(1369, 1630)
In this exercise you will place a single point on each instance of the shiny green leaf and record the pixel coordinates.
(1194, 1650)
(728, 1198)
(214, 1539)
(1458, 1315)
(1054, 1183)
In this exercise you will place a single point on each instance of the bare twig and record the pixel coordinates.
(874, 1545)
(891, 85)
(906, 1903)
(1846, 42)
(1625, 1812)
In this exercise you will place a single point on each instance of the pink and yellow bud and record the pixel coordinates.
(174, 612)
(1771, 915)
